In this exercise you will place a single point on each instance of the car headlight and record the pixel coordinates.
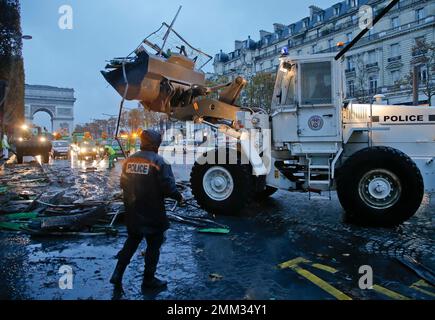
(42, 139)
(20, 139)
(101, 149)
(94, 149)
(82, 150)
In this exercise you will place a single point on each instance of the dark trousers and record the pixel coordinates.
(152, 253)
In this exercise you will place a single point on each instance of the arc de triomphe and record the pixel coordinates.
(57, 102)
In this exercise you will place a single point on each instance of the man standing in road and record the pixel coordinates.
(111, 154)
(146, 181)
(5, 146)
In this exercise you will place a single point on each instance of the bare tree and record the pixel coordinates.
(424, 53)
(259, 91)
(361, 92)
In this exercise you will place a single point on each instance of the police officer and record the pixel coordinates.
(146, 180)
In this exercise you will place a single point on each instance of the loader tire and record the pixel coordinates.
(223, 189)
(380, 187)
(263, 191)
(264, 194)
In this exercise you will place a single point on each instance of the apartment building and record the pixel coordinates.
(378, 63)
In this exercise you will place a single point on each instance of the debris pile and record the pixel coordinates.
(59, 201)
(42, 202)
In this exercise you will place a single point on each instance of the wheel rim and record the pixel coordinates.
(380, 189)
(218, 183)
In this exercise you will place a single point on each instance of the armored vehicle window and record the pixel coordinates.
(290, 96)
(284, 93)
(316, 83)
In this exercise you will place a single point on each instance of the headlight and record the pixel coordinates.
(20, 139)
(101, 149)
(94, 149)
(43, 139)
(82, 150)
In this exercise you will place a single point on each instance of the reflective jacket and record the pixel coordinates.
(110, 151)
(146, 180)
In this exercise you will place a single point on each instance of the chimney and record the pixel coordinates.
(263, 33)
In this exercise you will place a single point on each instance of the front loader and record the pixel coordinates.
(379, 158)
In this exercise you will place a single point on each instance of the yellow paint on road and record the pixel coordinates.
(294, 265)
(324, 267)
(421, 283)
(389, 293)
(293, 262)
(321, 283)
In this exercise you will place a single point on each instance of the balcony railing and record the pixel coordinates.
(418, 52)
(371, 65)
(266, 55)
(394, 59)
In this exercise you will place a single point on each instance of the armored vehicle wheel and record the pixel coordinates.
(19, 158)
(222, 188)
(380, 186)
(45, 157)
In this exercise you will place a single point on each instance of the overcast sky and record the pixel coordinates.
(103, 29)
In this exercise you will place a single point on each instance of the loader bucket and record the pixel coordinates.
(135, 71)
(153, 79)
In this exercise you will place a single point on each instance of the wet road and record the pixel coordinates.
(323, 252)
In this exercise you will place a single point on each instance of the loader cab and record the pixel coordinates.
(307, 99)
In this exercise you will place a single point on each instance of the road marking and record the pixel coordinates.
(322, 284)
(421, 283)
(293, 262)
(389, 293)
(324, 267)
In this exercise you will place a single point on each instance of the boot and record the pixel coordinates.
(116, 278)
(153, 283)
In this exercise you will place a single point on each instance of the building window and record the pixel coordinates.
(354, 18)
(306, 23)
(395, 76)
(419, 14)
(422, 75)
(372, 56)
(350, 64)
(395, 50)
(336, 10)
(313, 48)
(299, 52)
(373, 84)
(395, 22)
(320, 17)
(351, 88)
(349, 37)
(331, 43)
(353, 3)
